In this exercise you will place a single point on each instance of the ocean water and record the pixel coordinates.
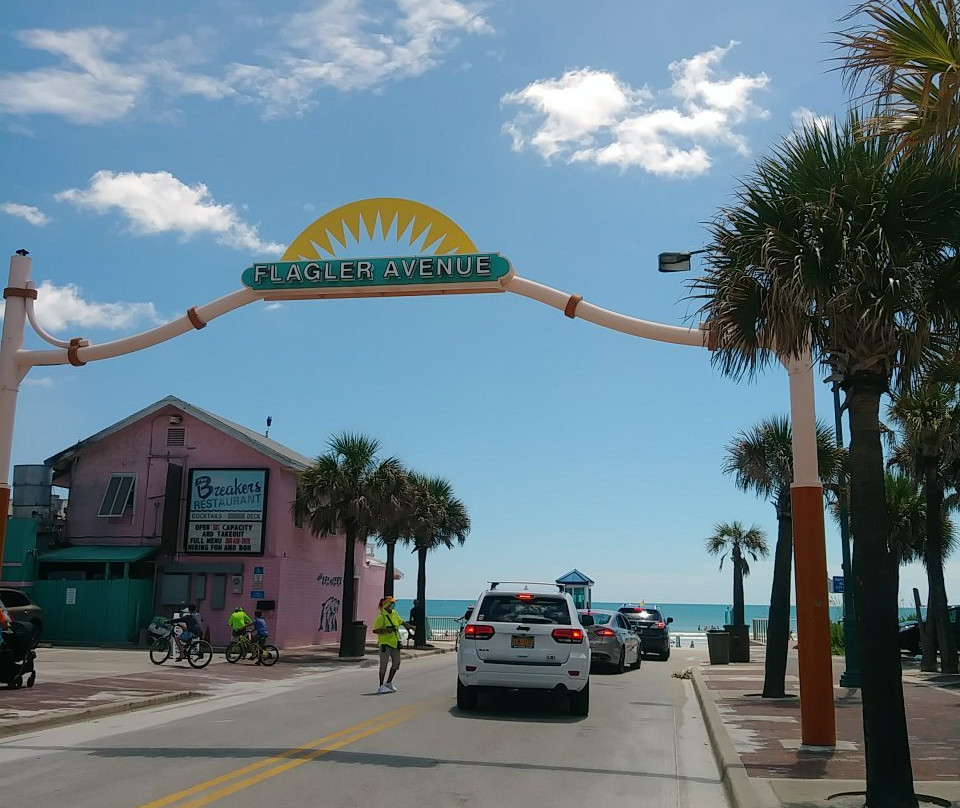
(687, 617)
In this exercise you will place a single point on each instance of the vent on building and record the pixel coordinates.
(176, 436)
(119, 495)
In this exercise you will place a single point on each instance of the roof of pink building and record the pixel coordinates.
(277, 451)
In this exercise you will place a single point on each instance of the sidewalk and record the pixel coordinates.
(80, 684)
(757, 741)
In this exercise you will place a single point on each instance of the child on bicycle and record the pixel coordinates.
(260, 634)
(190, 629)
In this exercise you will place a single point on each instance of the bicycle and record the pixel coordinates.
(243, 645)
(197, 652)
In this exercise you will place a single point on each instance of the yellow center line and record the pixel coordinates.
(381, 722)
(226, 791)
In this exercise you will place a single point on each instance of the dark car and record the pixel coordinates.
(910, 639)
(23, 609)
(651, 626)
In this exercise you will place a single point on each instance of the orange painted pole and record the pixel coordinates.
(817, 720)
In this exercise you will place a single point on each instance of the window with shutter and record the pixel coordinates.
(119, 495)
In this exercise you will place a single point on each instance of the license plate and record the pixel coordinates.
(522, 641)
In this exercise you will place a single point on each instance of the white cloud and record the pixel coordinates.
(60, 307)
(38, 381)
(341, 44)
(806, 118)
(105, 75)
(29, 213)
(160, 203)
(89, 89)
(592, 116)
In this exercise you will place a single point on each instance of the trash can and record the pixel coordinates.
(718, 646)
(739, 643)
(356, 639)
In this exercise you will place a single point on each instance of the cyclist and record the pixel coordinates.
(190, 630)
(260, 634)
(239, 622)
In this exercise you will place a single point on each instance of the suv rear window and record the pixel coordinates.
(508, 608)
(643, 614)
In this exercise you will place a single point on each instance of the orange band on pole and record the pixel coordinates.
(817, 720)
(194, 318)
(72, 352)
(14, 291)
(571, 308)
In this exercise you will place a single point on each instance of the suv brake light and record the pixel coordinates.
(525, 596)
(569, 635)
(604, 632)
(477, 631)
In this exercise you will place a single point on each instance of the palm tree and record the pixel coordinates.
(441, 521)
(348, 490)
(907, 52)
(398, 530)
(831, 247)
(928, 417)
(733, 540)
(761, 461)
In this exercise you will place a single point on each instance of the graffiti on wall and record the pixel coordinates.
(329, 611)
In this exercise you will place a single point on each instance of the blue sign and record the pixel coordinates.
(837, 584)
(257, 594)
(258, 570)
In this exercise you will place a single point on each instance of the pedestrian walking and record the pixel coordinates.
(387, 628)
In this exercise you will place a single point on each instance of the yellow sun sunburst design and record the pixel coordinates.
(404, 218)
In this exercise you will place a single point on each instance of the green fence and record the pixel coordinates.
(94, 612)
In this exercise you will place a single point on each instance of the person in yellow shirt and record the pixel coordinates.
(387, 628)
(239, 622)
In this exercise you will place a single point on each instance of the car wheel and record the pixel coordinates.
(580, 701)
(665, 655)
(636, 663)
(466, 696)
(620, 665)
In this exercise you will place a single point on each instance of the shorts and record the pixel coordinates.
(391, 654)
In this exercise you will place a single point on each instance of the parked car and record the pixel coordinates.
(612, 639)
(518, 639)
(651, 625)
(22, 608)
(910, 639)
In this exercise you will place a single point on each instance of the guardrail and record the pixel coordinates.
(761, 625)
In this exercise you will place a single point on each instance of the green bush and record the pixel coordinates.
(836, 638)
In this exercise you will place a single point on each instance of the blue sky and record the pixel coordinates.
(150, 156)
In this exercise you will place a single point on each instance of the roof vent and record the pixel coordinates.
(176, 436)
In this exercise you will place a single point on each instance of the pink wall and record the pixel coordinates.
(297, 567)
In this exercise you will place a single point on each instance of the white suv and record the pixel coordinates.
(517, 638)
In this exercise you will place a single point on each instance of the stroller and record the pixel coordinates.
(17, 655)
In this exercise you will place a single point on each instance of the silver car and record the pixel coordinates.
(612, 640)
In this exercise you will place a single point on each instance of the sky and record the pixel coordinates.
(150, 156)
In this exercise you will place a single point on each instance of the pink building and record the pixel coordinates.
(203, 507)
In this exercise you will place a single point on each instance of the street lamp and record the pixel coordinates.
(676, 261)
(851, 641)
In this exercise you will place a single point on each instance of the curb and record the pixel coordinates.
(98, 711)
(741, 791)
(363, 662)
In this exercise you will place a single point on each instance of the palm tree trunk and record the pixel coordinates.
(737, 587)
(347, 614)
(889, 772)
(938, 633)
(420, 635)
(388, 568)
(778, 624)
